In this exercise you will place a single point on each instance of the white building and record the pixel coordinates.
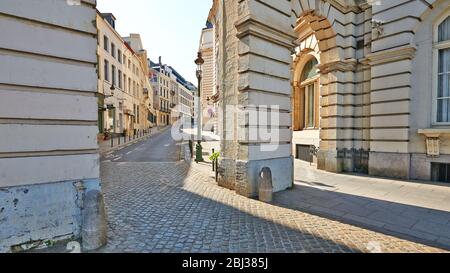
(48, 119)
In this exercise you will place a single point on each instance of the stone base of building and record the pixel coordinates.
(227, 173)
(243, 176)
(421, 165)
(35, 215)
(329, 161)
(393, 165)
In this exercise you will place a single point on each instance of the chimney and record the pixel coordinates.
(160, 62)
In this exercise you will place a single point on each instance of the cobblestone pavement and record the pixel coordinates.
(172, 207)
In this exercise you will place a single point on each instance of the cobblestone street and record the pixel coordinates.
(174, 207)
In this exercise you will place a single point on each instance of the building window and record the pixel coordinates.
(306, 99)
(113, 75)
(440, 172)
(310, 105)
(125, 83)
(106, 43)
(120, 79)
(137, 113)
(119, 56)
(113, 50)
(106, 70)
(442, 48)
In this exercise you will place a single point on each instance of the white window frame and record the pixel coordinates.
(436, 47)
(314, 81)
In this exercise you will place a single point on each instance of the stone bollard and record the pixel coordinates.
(94, 230)
(265, 185)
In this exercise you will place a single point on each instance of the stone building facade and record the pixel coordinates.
(206, 47)
(48, 119)
(363, 81)
(161, 81)
(123, 85)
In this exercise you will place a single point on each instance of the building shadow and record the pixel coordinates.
(169, 207)
(414, 223)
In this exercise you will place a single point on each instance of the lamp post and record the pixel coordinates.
(199, 154)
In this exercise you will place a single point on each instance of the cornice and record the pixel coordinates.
(344, 7)
(390, 55)
(339, 65)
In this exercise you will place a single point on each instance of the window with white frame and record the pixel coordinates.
(442, 50)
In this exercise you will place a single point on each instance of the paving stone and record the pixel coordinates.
(174, 207)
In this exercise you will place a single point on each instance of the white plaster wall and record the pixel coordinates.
(48, 81)
(48, 119)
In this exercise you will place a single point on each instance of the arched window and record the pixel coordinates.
(442, 50)
(306, 99)
(310, 70)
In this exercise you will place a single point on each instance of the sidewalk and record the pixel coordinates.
(206, 135)
(414, 210)
(105, 146)
(409, 208)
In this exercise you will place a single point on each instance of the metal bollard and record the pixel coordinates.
(265, 185)
(112, 141)
(217, 169)
(213, 161)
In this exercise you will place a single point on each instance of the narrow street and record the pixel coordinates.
(157, 203)
(158, 148)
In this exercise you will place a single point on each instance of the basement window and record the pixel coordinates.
(440, 172)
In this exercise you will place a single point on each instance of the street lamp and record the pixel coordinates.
(199, 153)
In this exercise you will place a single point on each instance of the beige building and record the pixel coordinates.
(161, 82)
(123, 86)
(173, 94)
(208, 89)
(146, 103)
(365, 82)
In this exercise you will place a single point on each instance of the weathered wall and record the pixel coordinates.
(48, 118)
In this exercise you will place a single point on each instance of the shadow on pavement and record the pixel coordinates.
(413, 223)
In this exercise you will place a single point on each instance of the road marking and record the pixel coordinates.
(129, 152)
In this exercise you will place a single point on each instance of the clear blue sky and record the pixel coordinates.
(168, 28)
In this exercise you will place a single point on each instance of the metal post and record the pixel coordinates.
(213, 161)
(199, 155)
(112, 141)
(217, 169)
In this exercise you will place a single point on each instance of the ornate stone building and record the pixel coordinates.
(366, 82)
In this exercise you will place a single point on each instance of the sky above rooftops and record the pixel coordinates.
(168, 28)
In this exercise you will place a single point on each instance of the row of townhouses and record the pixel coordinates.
(136, 94)
(173, 94)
